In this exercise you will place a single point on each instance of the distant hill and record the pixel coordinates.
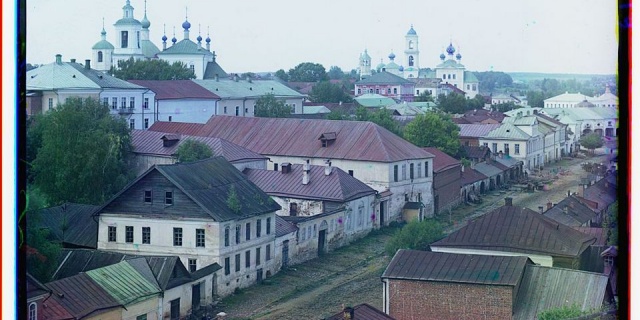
(532, 76)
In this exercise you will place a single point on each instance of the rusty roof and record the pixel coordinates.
(52, 309)
(338, 186)
(452, 267)
(476, 130)
(81, 296)
(34, 287)
(186, 128)
(176, 89)
(604, 192)
(517, 229)
(441, 160)
(362, 312)
(152, 143)
(470, 175)
(477, 152)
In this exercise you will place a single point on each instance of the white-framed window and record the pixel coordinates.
(114, 103)
(105, 101)
(146, 235)
(111, 234)
(193, 264)
(146, 123)
(200, 238)
(132, 102)
(177, 237)
(517, 148)
(146, 103)
(33, 311)
(50, 103)
(123, 102)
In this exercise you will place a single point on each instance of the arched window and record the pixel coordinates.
(99, 56)
(33, 311)
(410, 61)
(410, 44)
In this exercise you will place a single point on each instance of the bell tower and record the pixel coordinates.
(412, 54)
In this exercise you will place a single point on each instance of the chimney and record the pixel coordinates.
(508, 201)
(58, 58)
(568, 193)
(221, 316)
(73, 60)
(286, 167)
(549, 205)
(87, 64)
(541, 209)
(327, 169)
(305, 172)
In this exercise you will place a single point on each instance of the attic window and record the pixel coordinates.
(169, 140)
(147, 196)
(168, 197)
(327, 138)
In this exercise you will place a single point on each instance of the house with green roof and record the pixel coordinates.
(51, 84)
(520, 139)
(387, 84)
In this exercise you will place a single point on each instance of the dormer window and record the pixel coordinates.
(327, 138)
(170, 140)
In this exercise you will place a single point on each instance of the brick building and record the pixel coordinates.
(447, 176)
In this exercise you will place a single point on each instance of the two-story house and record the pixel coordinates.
(447, 178)
(386, 84)
(204, 212)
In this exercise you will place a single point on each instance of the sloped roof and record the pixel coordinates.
(487, 169)
(284, 227)
(516, 229)
(213, 69)
(102, 45)
(58, 76)
(577, 213)
(185, 46)
(458, 268)
(599, 233)
(521, 120)
(338, 186)
(362, 311)
(70, 223)
(507, 161)
(604, 192)
(477, 152)
(54, 311)
(124, 283)
(176, 89)
(81, 296)
(374, 100)
(185, 128)
(101, 79)
(208, 184)
(315, 109)
(544, 288)
(441, 160)
(149, 49)
(568, 97)
(469, 176)
(34, 287)
(150, 142)
(231, 89)
(479, 115)
(450, 63)
(508, 131)
(470, 77)
(384, 77)
(476, 130)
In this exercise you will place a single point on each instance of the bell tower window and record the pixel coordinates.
(99, 56)
(410, 61)
(410, 44)
(124, 39)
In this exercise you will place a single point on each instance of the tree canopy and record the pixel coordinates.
(434, 130)
(268, 106)
(415, 235)
(308, 72)
(82, 152)
(382, 117)
(592, 141)
(335, 73)
(506, 106)
(192, 150)
(282, 75)
(425, 96)
(490, 80)
(328, 92)
(452, 103)
(41, 252)
(155, 69)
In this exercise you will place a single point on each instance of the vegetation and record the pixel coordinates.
(41, 253)
(592, 141)
(425, 96)
(156, 69)
(612, 224)
(491, 80)
(328, 92)
(382, 117)
(415, 235)
(336, 115)
(335, 73)
(452, 103)
(268, 106)
(192, 150)
(504, 107)
(434, 130)
(564, 312)
(282, 75)
(79, 152)
(307, 72)
(232, 200)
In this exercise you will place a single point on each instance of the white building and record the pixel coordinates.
(520, 139)
(573, 100)
(451, 71)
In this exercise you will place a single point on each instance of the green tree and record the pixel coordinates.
(417, 235)
(476, 103)
(328, 92)
(490, 80)
(155, 69)
(192, 150)
(564, 312)
(41, 253)
(506, 106)
(536, 98)
(336, 115)
(83, 155)
(362, 114)
(335, 73)
(425, 96)
(384, 118)
(308, 72)
(268, 106)
(282, 75)
(592, 141)
(434, 130)
(452, 103)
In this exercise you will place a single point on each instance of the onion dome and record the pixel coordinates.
(186, 25)
(401, 69)
(392, 56)
(174, 40)
(450, 49)
(164, 38)
(199, 38)
(380, 66)
(442, 56)
(208, 40)
(411, 32)
(145, 22)
(458, 56)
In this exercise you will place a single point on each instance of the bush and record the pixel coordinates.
(564, 312)
(415, 235)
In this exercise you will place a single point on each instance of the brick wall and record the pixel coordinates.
(434, 300)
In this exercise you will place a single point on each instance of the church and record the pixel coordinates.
(133, 41)
(450, 75)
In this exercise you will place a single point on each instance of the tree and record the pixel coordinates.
(282, 75)
(268, 106)
(535, 98)
(489, 80)
(434, 130)
(415, 235)
(192, 150)
(592, 141)
(83, 155)
(476, 103)
(425, 96)
(335, 73)
(452, 103)
(506, 106)
(384, 118)
(328, 92)
(564, 312)
(308, 72)
(41, 253)
(155, 69)
(336, 115)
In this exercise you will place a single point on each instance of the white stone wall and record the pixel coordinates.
(148, 307)
(191, 110)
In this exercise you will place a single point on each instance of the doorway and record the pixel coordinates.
(285, 254)
(259, 276)
(382, 205)
(195, 296)
(321, 240)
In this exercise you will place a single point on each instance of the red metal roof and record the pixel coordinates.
(176, 89)
(82, 296)
(470, 175)
(53, 310)
(516, 229)
(442, 161)
(362, 312)
(186, 128)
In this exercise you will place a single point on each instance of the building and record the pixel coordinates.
(191, 210)
(451, 71)
(362, 311)
(473, 184)
(573, 100)
(386, 84)
(364, 65)
(397, 169)
(51, 84)
(447, 173)
(70, 224)
(470, 134)
(72, 295)
(573, 213)
(519, 139)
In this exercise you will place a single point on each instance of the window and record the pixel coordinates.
(473, 86)
(351, 173)
(388, 90)
(177, 237)
(168, 197)
(506, 148)
(454, 76)
(417, 92)
(395, 173)
(105, 102)
(268, 225)
(494, 147)
(359, 91)
(99, 56)
(419, 197)
(128, 234)
(226, 236)
(200, 238)
(411, 171)
(377, 91)
(275, 167)
(146, 123)
(124, 39)
(237, 233)
(404, 172)
(517, 146)
(114, 103)
(325, 143)
(142, 317)
(146, 235)
(395, 90)
(258, 228)
(237, 262)
(268, 253)
(123, 102)
(410, 57)
(225, 110)
(293, 209)
(486, 144)
(112, 234)
(247, 231)
(192, 265)
(227, 266)
(246, 110)
(50, 103)
(147, 196)
(444, 76)
(293, 108)
(247, 259)
(426, 168)
(193, 68)
(146, 103)
(419, 169)
(33, 311)
(257, 256)
(406, 197)
(237, 110)
(170, 118)
(132, 102)
(132, 124)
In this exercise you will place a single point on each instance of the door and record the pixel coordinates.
(382, 204)
(285, 254)
(175, 309)
(259, 276)
(321, 239)
(195, 296)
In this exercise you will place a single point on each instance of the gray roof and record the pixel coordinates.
(577, 213)
(338, 186)
(450, 63)
(81, 296)
(149, 49)
(476, 130)
(487, 169)
(508, 131)
(284, 227)
(213, 69)
(230, 89)
(185, 46)
(544, 288)
(470, 77)
(104, 80)
(459, 268)
(208, 184)
(103, 45)
(384, 77)
(70, 223)
(508, 161)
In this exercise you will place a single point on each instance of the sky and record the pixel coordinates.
(550, 36)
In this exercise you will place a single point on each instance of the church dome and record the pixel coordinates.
(392, 56)
(458, 56)
(208, 40)
(380, 66)
(401, 68)
(442, 56)
(199, 38)
(145, 22)
(103, 45)
(411, 32)
(186, 25)
(174, 39)
(164, 38)
(450, 49)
